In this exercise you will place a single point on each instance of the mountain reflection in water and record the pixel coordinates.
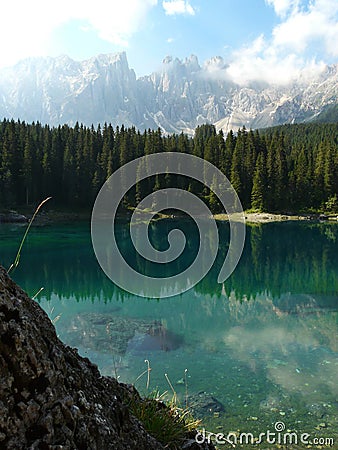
(263, 344)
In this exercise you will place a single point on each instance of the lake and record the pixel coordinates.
(259, 349)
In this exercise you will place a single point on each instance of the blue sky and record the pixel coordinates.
(270, 40)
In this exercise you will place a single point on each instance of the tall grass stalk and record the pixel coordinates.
(15, 264)
(115, 368)
(147, 371)
(35, 295)
(186, 387)
(56, 318)
(172, 388)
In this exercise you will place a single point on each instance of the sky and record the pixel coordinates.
(264, 40)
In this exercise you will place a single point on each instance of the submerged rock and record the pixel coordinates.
(318, 410)
(157, 337)
(50, 397)
(270, 403)
(203, 404)
(117, 334)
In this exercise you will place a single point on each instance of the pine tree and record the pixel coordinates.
(28, 169)
(319, 172)
(329, 171)
(213, 201)
(236, 173)
(281, 187)
(258, 193)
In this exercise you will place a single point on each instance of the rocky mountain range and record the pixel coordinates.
(178, 97)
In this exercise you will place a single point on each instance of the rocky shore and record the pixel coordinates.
(52, 216)
(51, 398)
(12, 217)
(266, 217)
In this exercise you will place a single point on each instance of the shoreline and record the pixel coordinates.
(55, 216)
(266, 217)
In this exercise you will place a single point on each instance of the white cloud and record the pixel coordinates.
(282, 7)
(317, 24)
(306, 35)
(28, 27)
(172, 7)
(115, 21)
(271, 68)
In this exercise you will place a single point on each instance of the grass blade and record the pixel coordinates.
(15, 264)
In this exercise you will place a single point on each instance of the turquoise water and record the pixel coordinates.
(264, 344)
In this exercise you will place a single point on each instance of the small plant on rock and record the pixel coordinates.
(166, 422)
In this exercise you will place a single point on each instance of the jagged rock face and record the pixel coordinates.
(52, 398)
(48, 394)
(180, 96)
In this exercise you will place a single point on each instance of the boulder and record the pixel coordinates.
(203, 404)
(118, 334)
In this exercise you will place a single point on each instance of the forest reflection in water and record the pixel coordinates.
(264, 343)
(278, 258)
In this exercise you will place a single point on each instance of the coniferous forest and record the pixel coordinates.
(287, 168)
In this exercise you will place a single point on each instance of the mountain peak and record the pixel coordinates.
(177, 98)
(214, 63)
(111, 58)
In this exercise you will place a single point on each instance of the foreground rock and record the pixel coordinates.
(50, 397)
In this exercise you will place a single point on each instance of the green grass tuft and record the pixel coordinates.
(168, 423)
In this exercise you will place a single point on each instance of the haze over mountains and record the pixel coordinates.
(179, 97)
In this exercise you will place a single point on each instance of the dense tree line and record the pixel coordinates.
(285, 168)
